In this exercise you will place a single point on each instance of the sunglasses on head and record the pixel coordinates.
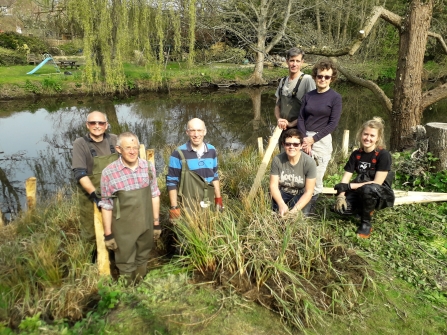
(101, 123)
(320, 76)
(288, 144)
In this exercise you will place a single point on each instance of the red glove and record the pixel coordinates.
(219, 205)
(174, 213)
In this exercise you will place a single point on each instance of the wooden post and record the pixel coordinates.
(345, 144)
(437, 143)
(142, 152)
(103, 254)
(260, 146)
(2, 223)
(30, 186)
(150, 156)
(268, 154)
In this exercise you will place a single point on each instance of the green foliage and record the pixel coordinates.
(32, 87)
(10, 57)
(51, 84)
(70, 49)
(415, 172)
(16, 41)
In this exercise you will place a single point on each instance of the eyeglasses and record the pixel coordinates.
(101, 123)
(320, 76)
(289, 144)
(129, 149)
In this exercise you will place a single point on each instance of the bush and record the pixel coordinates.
(70, 49)
(15, 41)
(10, 57)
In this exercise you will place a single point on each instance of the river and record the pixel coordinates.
(36, 136)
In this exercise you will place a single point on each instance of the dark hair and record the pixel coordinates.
(325, 64)
(292, 52)
(292, 132)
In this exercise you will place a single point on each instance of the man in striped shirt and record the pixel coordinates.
(201, 180)
(130, 208)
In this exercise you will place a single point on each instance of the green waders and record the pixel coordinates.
(193, 191)
(290, 106)
(133, 228)
(85, 204)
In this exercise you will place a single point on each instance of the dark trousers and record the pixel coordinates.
(291, 200)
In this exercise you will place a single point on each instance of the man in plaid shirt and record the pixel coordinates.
(130, 208)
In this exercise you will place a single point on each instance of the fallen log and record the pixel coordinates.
(407, 197)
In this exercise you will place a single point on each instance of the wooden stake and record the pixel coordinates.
(150, 156)
(103, 255)
(345, 144)
(142, 152)
(30, 186)
(260, 146)
(2, 223)
(268, 154)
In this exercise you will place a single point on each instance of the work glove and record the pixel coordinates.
(219, 204)
(342, 187)
(341, 206)
(94, 198)
(110, 242)
(157, 232)
(174, 213)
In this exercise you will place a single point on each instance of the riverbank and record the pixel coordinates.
(46, 82)
(243, 255)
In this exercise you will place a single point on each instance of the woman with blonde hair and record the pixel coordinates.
(371, 189)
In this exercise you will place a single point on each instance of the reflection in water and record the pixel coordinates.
(233, 119)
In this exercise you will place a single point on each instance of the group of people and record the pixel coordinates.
(307, 109)
(130, 198)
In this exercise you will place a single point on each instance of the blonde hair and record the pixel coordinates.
(375, 123)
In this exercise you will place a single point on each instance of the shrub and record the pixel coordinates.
(10, 57)
(15, 41)
(70, 49)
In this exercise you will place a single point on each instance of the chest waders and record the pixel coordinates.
(193, 191)
(133, 228)
(289, 105)
(85, 204)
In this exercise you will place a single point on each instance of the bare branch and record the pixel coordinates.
(440, 40)
(378, 92)
(279, 35)
(434, 95)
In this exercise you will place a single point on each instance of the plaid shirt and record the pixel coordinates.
(117, 177)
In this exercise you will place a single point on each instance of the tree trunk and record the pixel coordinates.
(437, 142)
(317, 18)
(407, 103)
(256, 77)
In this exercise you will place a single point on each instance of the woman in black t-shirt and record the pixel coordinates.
(371, 188)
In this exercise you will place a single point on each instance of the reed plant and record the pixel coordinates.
(294, 266)
(45, 266)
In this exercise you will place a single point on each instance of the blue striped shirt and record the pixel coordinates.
(205, 166)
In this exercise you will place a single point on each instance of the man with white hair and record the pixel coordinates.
(130, 208)
(192, 178)
(91, 154)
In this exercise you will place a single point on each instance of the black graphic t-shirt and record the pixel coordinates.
(367, 163)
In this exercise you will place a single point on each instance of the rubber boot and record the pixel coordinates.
(140, 273)
(365, 228)
(309, 209)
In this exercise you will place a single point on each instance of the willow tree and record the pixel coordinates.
(410, 99)
(113, 31)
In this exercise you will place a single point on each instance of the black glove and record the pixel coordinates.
(157, 232)
(342, 187)
(94, 198)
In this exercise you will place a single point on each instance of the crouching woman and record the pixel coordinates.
(371, 189)
(292, 177)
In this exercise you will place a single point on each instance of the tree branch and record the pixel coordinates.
(434, 95)
(440, 40)
(378, 92)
